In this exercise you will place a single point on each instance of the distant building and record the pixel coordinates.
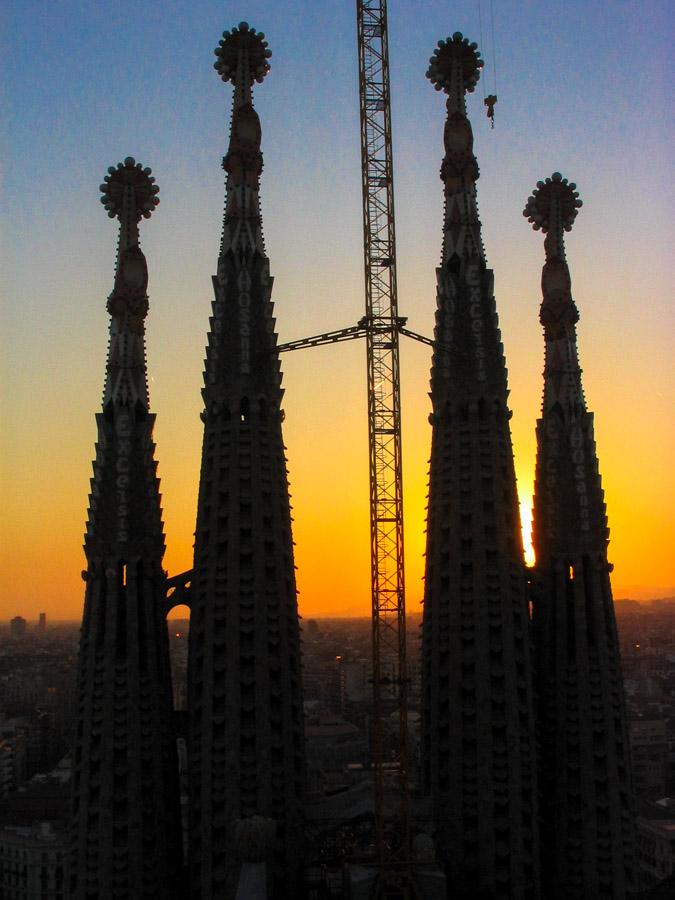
(357, 673)
(14, 752)
(42, 622)
(34, 838)
(649, 755)
(30, 739)
(348, 681)
(17, 627)
(33, 860)
(656, 842)
(338, 685)
(7, 777)
(333, 743)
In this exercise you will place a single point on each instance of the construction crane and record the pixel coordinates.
(390, 676)
(381, 326)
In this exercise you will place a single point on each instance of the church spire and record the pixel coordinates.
(126, 819)
(553, 208)
(245, 696)
(128, 193)
(241, 359)
(455, 68)
(576, 518)
(584, 767)
(243, 56)
(478, 742)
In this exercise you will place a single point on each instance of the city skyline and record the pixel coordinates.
(599, 130)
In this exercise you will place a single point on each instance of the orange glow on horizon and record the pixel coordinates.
(42, 553)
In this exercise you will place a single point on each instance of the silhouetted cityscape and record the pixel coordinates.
(37, 684)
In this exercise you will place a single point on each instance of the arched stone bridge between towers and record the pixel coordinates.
(178, 591)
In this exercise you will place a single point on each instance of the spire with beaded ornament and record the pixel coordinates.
(246, 738)
(586, 808)
(126, 840)
(128, 193)
(478, 743)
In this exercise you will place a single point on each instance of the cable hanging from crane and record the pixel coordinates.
(489, 99)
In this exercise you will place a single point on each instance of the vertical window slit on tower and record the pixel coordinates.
(100, 625)
(140, 620)
(121, 612)
(571, 617)
(588, 599)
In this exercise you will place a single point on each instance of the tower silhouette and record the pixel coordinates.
(126, 824)
(587, 817)
(246, 736)
(478, 744)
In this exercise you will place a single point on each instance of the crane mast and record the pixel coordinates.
(390, 679)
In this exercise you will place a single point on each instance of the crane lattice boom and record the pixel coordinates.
(384, 423)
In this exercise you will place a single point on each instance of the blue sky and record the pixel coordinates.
(582, 90)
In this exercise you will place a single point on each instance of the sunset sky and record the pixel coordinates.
(582, 90)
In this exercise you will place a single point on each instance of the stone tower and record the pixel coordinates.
(478, 744)
(587, 823)
(126, 825)
(246, 738)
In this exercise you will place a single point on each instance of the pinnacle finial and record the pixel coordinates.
(242, 40)
(554, 203)
(552, 208)
(129, 174)
(453, 51)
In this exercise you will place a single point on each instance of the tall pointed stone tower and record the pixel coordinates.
(587, 822)
(126, 824)
(246, 743)
(478, 745)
